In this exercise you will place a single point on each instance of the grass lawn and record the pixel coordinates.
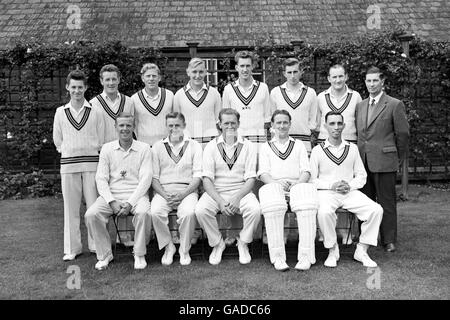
(32, 268)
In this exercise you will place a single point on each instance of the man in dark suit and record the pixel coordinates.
(383, 134)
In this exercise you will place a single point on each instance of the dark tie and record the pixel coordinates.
(370, 111)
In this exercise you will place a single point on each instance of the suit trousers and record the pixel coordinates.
(74, 186)
(380, 187)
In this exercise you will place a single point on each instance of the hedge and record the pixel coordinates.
(25, 134)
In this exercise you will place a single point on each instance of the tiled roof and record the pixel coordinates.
(216, 23)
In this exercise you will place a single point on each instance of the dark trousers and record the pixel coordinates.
(380, 187)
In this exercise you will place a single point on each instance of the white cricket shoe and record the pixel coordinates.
(303, 263)
(333, 257)
(362, 256)
(103, 264)
(280, 265)
(216, 255)
(69, 257)
(244, 255)
(167, 258)
(139, 262)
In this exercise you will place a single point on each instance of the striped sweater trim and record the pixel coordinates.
(241, 97)
(230, 161)
(282, 155)
(291, 103)
(302, 137)
(204, 139)
(73, 122)
(198, 102)
(79, 159)
(108, 110)
(344, 105)
(175, 158)
(147, 106)
(256, 138)
(332, 157)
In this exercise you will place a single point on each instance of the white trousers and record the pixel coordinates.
(207, 208)
(186, 220)
(366, 210)
(74, 186)
(97, 217)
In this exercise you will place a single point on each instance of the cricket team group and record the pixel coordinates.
(249, 154)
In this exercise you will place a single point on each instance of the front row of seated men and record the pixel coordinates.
(175, 167)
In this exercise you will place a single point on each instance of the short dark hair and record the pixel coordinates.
(230, 111)
(76, 75)
(109, 68)
(374, 69)
(280, 111)
(176, 115)
(337, 66)
(333, 113)
(290, 62)
(245, 55)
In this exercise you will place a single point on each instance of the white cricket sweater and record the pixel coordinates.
(229, 167)
(150, 115)
(201, 112)
(177, 165)
(253, 106)
(78, 137)
(330, 164)
(301, 105)
(283, 161)
(110, 110)
(346, 105)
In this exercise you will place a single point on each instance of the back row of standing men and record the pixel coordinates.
(380, 145)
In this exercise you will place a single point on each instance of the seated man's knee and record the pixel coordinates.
(200, 210)
(255, 211)
(186, 213)
(139, 214)
(90, 214)
(325, 212)
(156, 212)
(378, 210)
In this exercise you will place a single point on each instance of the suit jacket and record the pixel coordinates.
(384, 140)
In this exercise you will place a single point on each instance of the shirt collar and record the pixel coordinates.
(377, 98)
(189, 87)
(69, 105)
(342, 145)
(274, 139)
(117, 146)
(185, 138)
(105, 96)
(150, 97)
(347, 91)
(238, 140)
(236, 83)
(85, 104)
(284, 86)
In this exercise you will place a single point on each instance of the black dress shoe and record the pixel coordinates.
(390, 247)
